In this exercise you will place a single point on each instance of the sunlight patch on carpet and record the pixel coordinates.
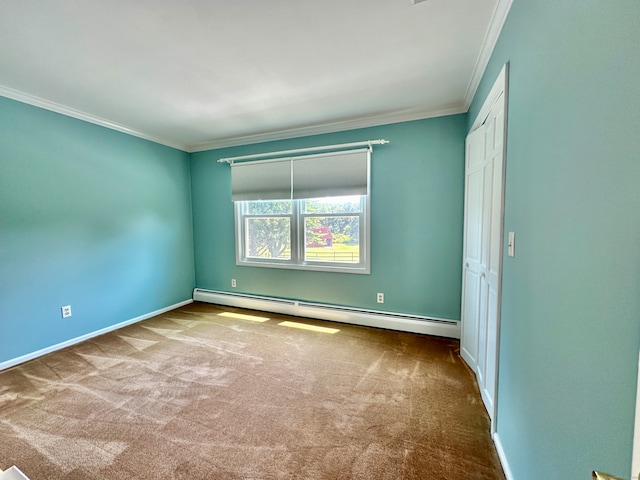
(313, 328)
(242, 316)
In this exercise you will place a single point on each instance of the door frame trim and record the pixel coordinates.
(635, 455)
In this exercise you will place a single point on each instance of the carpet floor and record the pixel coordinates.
(191, 394)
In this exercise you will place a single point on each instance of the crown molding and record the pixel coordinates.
(80, 115)
(491, 38)
(332, 127)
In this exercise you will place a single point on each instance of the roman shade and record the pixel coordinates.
(310, 176)
(265, 180)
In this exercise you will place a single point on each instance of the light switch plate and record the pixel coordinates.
(511, 244)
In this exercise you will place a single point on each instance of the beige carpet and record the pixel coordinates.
(194, 395)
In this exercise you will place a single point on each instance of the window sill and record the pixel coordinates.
(308, 266)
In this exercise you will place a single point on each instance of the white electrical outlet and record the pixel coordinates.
(233, 282)
(66, 311)
(380, 297)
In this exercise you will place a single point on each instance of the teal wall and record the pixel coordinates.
(91, 218)
(417, 184)
(571, 295)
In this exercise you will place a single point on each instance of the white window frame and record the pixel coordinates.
(298, 244)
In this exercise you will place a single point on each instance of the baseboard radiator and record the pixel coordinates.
(367, 318)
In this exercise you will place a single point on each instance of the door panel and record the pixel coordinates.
(487, 208)
(469, 341)
(481, 363)
(475, 150)
(474, 200)
(489, 384)
(496, 155)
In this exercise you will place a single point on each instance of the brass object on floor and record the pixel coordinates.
(604, 476)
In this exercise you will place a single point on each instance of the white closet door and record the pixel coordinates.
(494, 157)
(472, 250)
(483, 238)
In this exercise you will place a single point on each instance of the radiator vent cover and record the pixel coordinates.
(334, 313)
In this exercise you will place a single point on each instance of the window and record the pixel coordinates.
(304, 213)
(323, 233)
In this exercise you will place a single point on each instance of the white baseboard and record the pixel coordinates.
(503, 457)
(30, 356)
(367, 318)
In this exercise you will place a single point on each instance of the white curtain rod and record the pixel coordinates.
(230, 160)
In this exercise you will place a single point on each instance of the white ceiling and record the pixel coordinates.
(198, 74)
